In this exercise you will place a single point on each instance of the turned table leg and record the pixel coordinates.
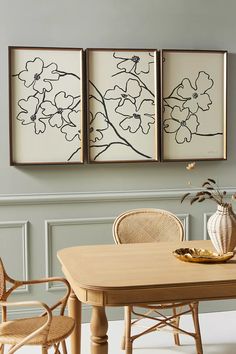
(99, 326)
(74, 306)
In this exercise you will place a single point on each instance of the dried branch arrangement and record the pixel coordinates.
(210, 190)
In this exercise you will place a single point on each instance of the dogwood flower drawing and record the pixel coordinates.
(133, 63)
(196, 96)
(30, 114)
(182, 123)
(38, 75)
(58, 110)
(98, 124)
(131, 92)
(137, 118)
(72, 129)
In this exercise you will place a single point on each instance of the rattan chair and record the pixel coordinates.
(46, 330)
(154, 225)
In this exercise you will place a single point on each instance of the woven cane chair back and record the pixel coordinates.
(147, 225)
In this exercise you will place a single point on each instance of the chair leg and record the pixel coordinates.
(127, 336)
(123, 341)
(63, 344)
(176, 321)
(44, 349)
(56, 348)
(1, 348)
(198, 339)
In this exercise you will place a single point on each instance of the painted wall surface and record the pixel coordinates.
(45, 208)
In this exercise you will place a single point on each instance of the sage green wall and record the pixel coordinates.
(43, 208)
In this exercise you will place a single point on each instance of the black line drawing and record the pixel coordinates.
(48, 105)
(184, 104)
(124, 110)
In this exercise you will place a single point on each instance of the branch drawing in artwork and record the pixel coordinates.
(123, 112)
(184, 106)
(46, 103)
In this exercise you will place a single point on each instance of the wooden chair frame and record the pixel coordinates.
(42, 331)
(155, 312)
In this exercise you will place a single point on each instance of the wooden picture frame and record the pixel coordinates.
(122, 105)
(194, 93)
(46, 105)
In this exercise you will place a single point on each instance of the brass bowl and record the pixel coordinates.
(200, 255)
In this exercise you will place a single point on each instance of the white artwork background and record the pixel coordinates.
(122, 105)
(46, 113)
(202, 133)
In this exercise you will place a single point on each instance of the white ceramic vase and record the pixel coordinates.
(221, 228)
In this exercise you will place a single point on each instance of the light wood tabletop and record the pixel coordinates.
(118, 275)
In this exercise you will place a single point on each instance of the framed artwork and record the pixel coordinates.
(46, 105)
(193, 105)
(122, 105)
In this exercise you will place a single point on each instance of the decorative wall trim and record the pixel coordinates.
(206, 218)
(91, 197)
(185, 220)
(25, 253)
(48, 238)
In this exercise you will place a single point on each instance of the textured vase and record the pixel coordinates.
(221, 228)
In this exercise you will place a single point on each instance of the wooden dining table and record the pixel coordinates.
(119, 275)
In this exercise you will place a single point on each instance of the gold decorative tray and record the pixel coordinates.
(199, 255)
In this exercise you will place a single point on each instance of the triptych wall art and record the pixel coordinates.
(68, 106)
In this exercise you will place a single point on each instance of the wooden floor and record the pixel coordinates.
(218, 336)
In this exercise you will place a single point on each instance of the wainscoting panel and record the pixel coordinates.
(72, 232)
(14, 250)
(185, 221)
(206, 218)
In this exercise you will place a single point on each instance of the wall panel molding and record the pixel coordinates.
(185, 221)
(49, 234)
(23, 225)
(91, 197)
(205, 232)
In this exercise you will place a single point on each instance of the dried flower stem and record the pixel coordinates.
(211, 191)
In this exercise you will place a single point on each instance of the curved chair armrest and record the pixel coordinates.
(18, 283)
(63, 300)
(43, 328)
(26, 303)
(46, 280)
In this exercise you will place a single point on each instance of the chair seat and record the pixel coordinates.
(12, 332)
